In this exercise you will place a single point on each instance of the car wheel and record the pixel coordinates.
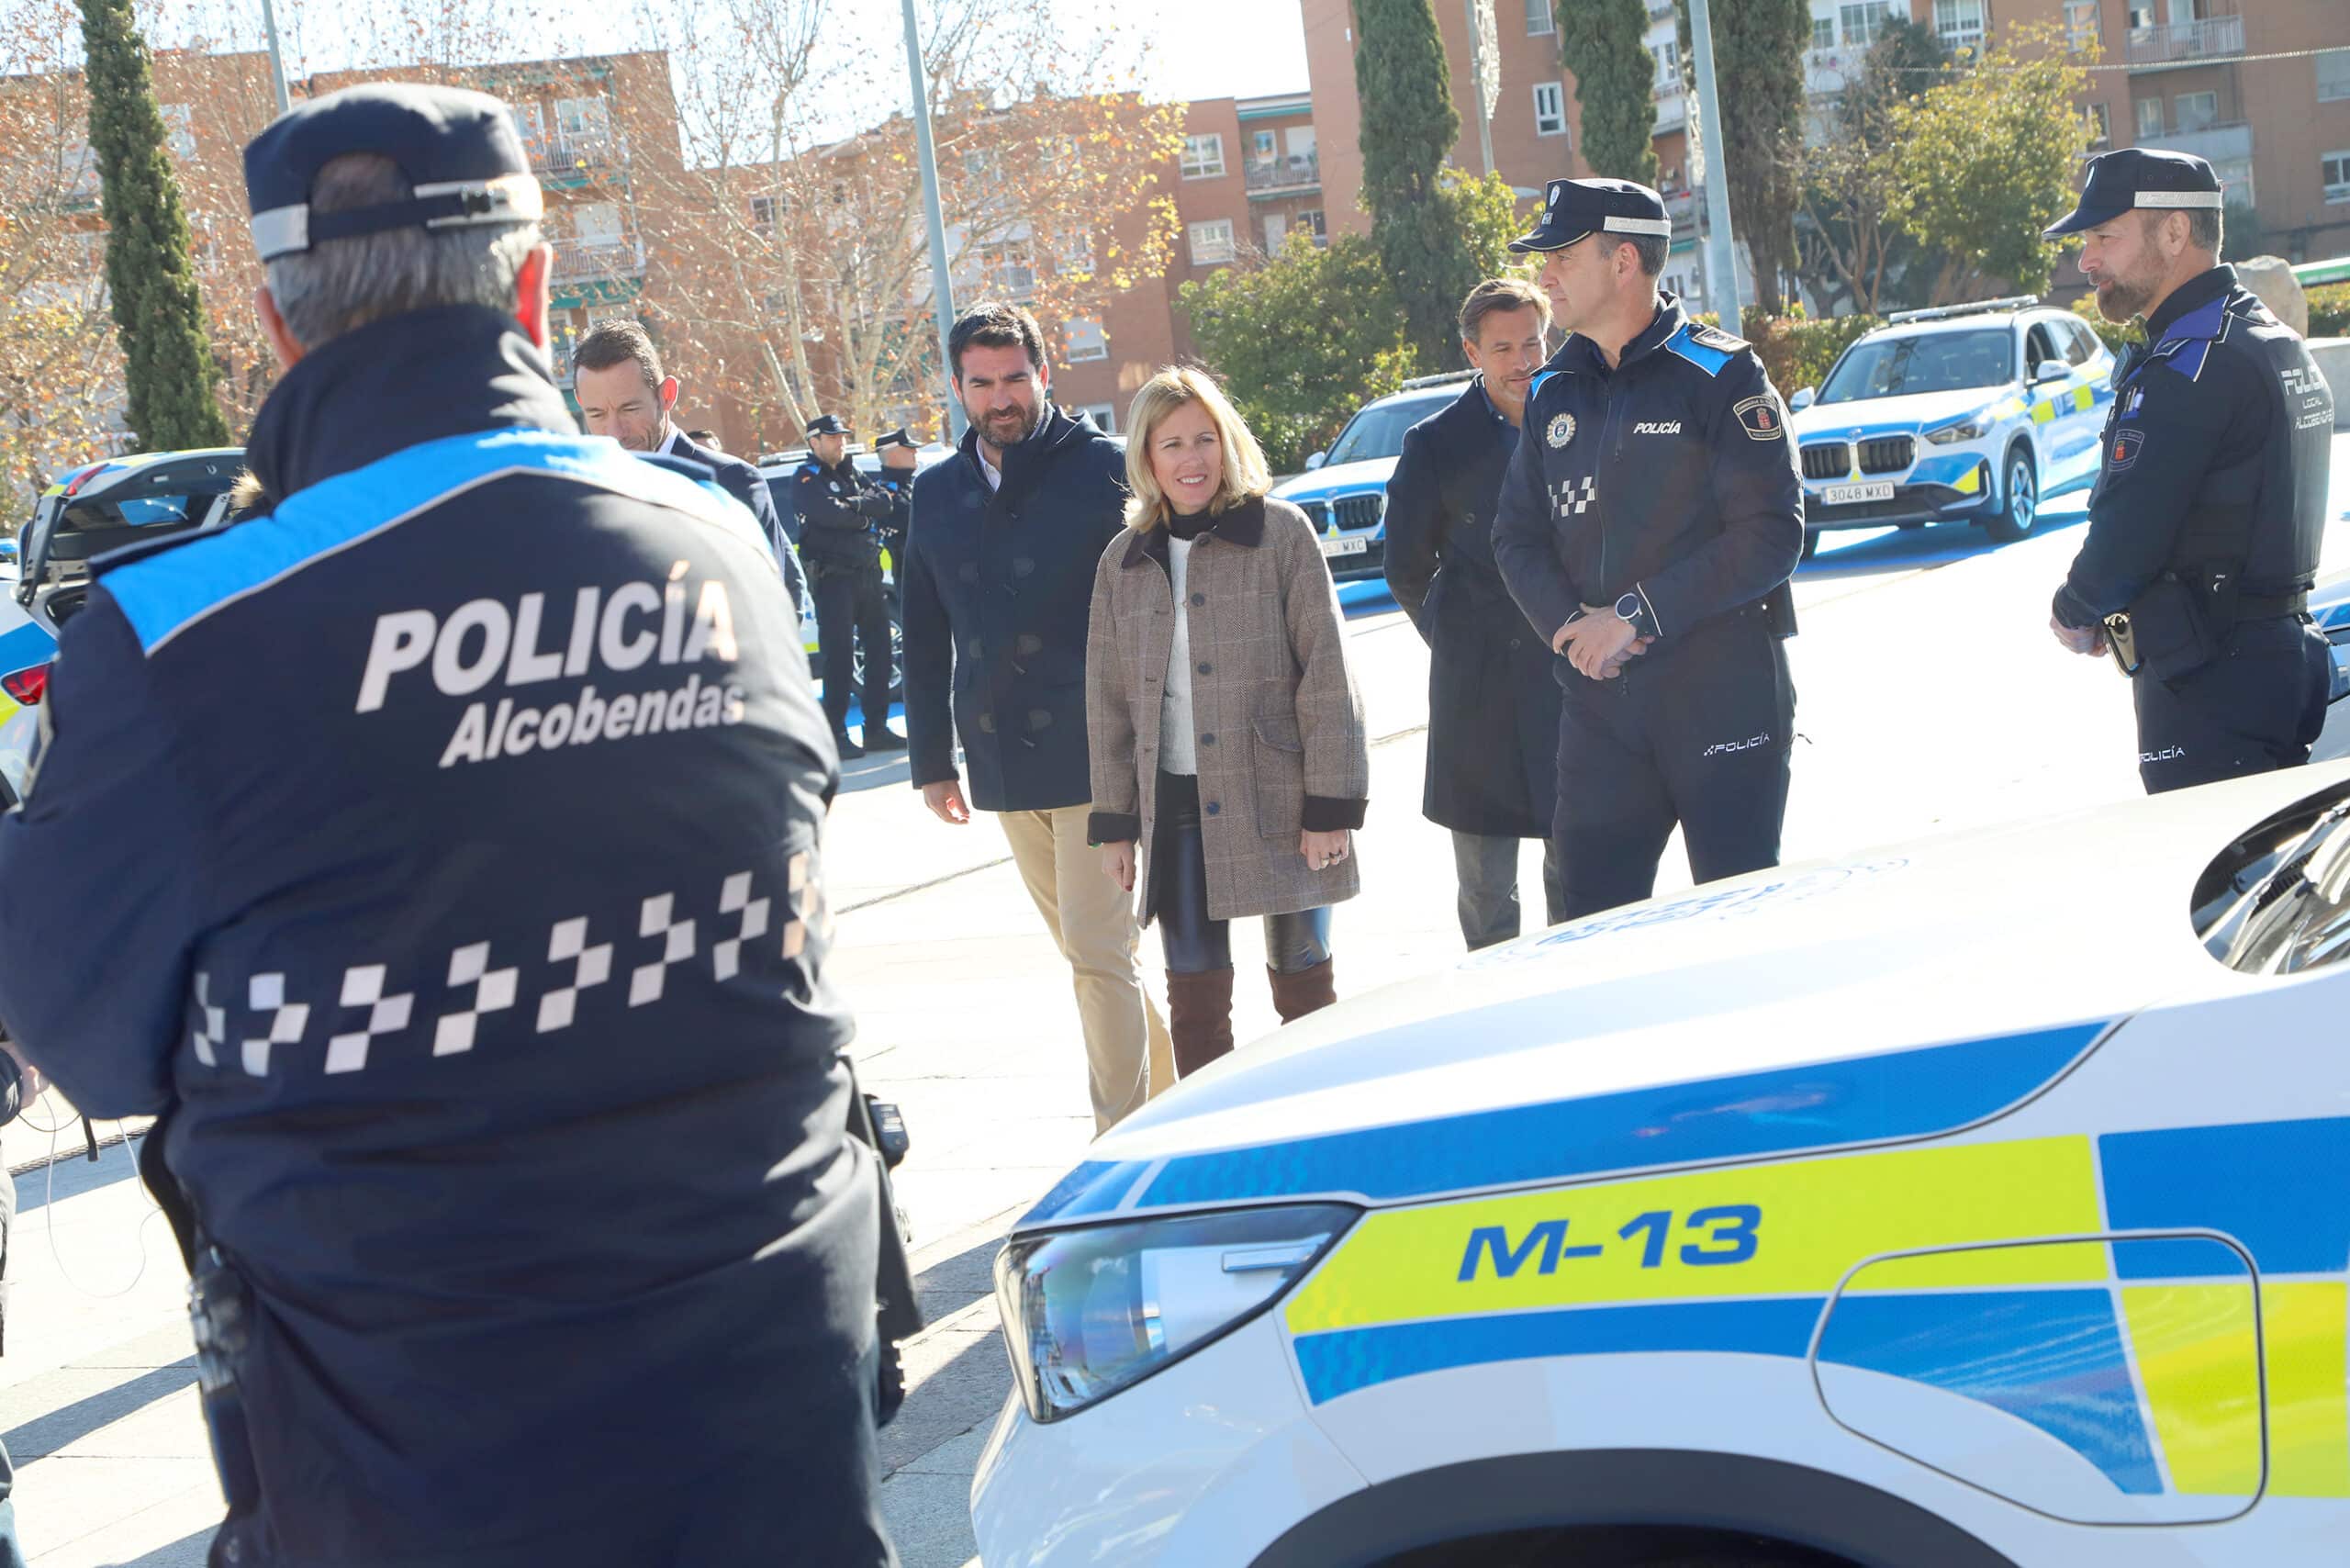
(2021, 496)
(897, 654)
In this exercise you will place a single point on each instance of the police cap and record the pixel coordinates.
(827, 424)
(1576, 208)
(458, 149)
(2139, 177)
(899, 437)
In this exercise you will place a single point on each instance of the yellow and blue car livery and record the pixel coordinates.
(1885, 1209)
(1968, 413)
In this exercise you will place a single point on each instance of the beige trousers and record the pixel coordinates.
(1093, 920)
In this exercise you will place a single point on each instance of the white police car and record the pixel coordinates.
(1969, 413)
(1344, 490)
(1746, 1226)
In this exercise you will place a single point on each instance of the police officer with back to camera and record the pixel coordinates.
(842, 518)
(901, 456)
(1647, 527)
(2209, 506)
(471, 943)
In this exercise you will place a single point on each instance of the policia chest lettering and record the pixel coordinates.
(615, 632)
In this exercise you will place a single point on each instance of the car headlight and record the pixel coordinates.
(1090, 1311)
(1974, 427)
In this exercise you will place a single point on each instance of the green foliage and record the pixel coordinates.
(2118, 335)
(1759, 47)
(1796, 350)
(1418, 214)
(1986, 161)
(2330, 310)
(158, 312)
(1301, 341)
(1605, 43)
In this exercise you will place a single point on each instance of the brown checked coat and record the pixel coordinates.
(1280, 728)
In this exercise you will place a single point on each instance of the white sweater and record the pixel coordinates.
(1178, 751)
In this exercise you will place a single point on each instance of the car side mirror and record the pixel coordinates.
(1315, 460)
(2051, 370)
(1804, 398)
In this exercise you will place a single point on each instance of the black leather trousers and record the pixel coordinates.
(1193, 943)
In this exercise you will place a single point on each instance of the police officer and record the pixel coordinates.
(842, 516)
(2210, 505)
(1647, 527)
(900, 457)
(1493, 771)
(471, 944)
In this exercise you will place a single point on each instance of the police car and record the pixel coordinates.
(1344, 490)
(1746, 1226)
(109, 505)
(1968, 413)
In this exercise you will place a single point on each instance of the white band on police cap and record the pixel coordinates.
(508, 199)
(2176, 198)
(280, 230)
(1638, 226)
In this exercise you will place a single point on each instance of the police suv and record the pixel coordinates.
(1343, 491)
(1745, 1227)
(1968, 413)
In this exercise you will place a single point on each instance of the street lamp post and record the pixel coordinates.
(276, 59)
(942, 281)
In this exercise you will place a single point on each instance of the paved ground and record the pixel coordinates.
(1931, 697)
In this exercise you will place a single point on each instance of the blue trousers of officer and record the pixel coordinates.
(2257, 706)
(1698, 733)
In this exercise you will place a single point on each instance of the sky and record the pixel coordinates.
(1222, 49)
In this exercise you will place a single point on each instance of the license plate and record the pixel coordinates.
(1845, 495)
(1344, 547)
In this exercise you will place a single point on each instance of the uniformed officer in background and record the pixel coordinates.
(900, 458)
(1647, 527)
(2209, 506)
(842, 518)
(471, 944)
(1492, 769)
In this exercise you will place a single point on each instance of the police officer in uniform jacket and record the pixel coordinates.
(899, 453)
(1647, 528)
(2209, 506)
(472, 942)
(1493, 771)
(842, 516)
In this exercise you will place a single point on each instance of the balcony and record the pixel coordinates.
(2203, 42)
(1284, 176)
(1681, 209)
(1671, 107)
(577, 153)
(2217, 145)
(581, 261)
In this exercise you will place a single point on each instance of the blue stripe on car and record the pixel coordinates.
(2287, 1198)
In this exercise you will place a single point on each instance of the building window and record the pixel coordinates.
(1550, 109)
(1263, 144)
(763, 211)
(2332, 74)
(1668, 63)
(1075, 256)
(1959, 23)
(1212, 242)
(1540, 21)
(2197, 111)
(2081, 23)
(179, 126)
(2336, 168)
(1086, 340)
(2101, 125)
(1863, 23)
(1311, 222)
(1103, 414)
(1203, 157)
(1010, 268)
(2150, 118)
(582, 118)
(1276, 232)
(1823, 33)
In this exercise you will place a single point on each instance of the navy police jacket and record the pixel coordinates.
(2217, 456)
(443, 852)
(1672, 474)
(999, 587)
(841, 514)
(746, 485)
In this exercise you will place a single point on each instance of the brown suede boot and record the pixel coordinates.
(1199, 1017)
(1305, 991)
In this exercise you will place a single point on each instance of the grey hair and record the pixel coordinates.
(339, 285)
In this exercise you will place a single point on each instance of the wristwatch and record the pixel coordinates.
(1634, 610)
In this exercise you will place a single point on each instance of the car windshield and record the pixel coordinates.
(1378, 431)
(1923, 361)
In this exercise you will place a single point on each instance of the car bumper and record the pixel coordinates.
(1371, 561)
(1941, 488)
(1208, 1462)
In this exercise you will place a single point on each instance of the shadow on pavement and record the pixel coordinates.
(70, 1172)
(188, 1551)
(1872, 551)
(45, 1435)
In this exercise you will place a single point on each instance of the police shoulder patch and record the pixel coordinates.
(1761, 417)
(1715, 337)
(2127, 444)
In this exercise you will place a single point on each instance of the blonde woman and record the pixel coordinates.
(1229, 764)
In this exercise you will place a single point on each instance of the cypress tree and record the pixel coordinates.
(158, 313)
(1408, 128)
(1605, 43)
(1758, 77)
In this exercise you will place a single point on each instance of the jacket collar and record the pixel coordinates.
(1244, 526)
(1579, 353)
(1024, 463)
(415, 378)
(2197, 293)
